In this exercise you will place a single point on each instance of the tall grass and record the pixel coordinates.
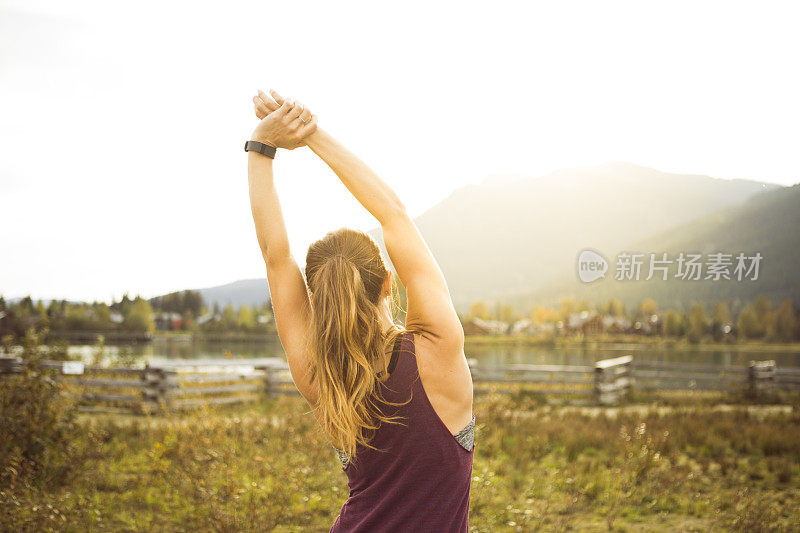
(267, 467)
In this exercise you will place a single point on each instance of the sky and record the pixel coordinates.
(122, 124)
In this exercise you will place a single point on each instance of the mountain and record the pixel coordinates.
(515, 236)
(245, 291)
(768, 224)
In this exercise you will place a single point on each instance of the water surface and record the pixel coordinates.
(500, 353)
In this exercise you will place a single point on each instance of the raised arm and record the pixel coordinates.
(430, 307)
(284, 128)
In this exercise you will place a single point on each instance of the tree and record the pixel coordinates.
(193, 301)
(542, 315)
(229, 318)
(674, 324)
(179, 302)
(764, 315)
(567, 308)
(124, 305)
(785, 323)
(698, 323)
(41, 312)
(720, 321)
(25, 307)
(140, 317)
(77, 318)
(479, 310)
(648, 307)
(615, 308)
(721, 313)
(246, 320)
(747, 325)
(103, 315)
(507, 314)
(762, 307)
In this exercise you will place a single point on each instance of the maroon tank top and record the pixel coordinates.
(421, 479)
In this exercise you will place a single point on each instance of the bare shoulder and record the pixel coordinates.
(446, 377)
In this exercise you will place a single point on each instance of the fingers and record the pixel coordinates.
(308, 128)
(305, 116)
(278, 98)
(283, 109)
(275, 102)
(269, 101)
(294, 113)
(261, 108)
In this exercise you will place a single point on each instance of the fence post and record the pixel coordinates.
(10, 365)
(271, 385)
(762, 377)
(612, 379)
(158, 383)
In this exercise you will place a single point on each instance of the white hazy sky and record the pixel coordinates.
(122, 123)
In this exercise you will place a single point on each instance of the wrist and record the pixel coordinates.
(314, 138)
(253, 156)
(261, 148)
(263, 139)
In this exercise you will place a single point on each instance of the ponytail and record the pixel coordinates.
(346, 339)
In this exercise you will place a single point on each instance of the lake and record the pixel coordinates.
(164, 349)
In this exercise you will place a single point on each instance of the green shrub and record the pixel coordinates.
(37, 415)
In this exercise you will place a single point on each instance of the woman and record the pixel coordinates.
(395, 402)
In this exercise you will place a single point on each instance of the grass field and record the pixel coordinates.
(265, 467)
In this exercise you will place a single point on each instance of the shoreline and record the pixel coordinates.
(627, 342)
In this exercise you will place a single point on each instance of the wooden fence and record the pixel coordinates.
(175, 385)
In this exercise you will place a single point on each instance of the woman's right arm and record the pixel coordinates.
(430, 307)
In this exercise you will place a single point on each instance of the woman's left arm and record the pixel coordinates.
(285, 129)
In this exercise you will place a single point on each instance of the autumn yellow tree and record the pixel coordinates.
(648, 307)
(785, 323)
(479, 310)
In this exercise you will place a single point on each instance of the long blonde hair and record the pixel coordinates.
(345, 274)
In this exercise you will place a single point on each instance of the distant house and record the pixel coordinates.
(527, 326)
(616, 324)
(524, 326)
(168, 321)
(116, 317)
(202, 319)
(587, 323)
(477, 326)
(472, 328)
(648, 325)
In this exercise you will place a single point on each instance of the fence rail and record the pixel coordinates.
(184, 384)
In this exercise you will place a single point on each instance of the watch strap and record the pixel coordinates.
(261, 148)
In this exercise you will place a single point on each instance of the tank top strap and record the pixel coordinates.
(393, 358)
(406, 365)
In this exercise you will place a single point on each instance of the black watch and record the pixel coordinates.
(261, 148)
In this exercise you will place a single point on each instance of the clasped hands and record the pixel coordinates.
(284, 123)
